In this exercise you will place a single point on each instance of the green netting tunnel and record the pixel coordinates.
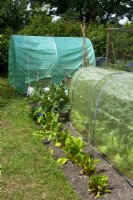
(37, 57)
(102, 112)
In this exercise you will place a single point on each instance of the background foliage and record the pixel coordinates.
(30, 17)
(93, 10)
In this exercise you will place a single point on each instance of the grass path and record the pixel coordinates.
(28, 172)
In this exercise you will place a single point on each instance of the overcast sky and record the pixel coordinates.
(123, 21)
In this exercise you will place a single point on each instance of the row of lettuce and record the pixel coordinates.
(50, 108)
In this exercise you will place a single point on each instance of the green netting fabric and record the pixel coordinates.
(102, 112)
(32, 57)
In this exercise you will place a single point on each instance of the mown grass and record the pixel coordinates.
(28, 172)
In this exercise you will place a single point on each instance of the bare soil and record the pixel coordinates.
(120, 188)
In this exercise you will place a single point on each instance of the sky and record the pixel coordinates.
(123, 21)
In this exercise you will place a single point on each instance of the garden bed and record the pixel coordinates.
(120, 188)
(82, 169)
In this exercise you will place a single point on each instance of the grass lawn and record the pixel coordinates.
(28, 172)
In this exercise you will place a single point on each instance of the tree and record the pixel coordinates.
(39, 25)
(13, 14)
(13, 17)
(101, 11)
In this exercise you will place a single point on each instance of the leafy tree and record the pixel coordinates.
(29, 17)
(93, 10)
(13, 14)
(39, 25)
(42, 25)
(65, 28)
(4, 49)
(97, 33)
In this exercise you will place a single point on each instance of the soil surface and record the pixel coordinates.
(120, 188)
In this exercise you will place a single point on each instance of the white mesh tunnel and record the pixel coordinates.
(102, 112)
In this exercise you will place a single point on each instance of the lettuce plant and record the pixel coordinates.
(87, 163)
(98, 184)
(51, 126)
(61, 138)
(73, 146)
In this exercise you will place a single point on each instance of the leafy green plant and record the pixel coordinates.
(62, 161)
(55, 99)
(51, 126)
(38, 93)
(87, 163)
(98, 184)
(60, 99)
(40, 98)
(73, 146)
(61, 138)
(39, 115)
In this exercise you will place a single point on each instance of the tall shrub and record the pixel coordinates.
(98, 35)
